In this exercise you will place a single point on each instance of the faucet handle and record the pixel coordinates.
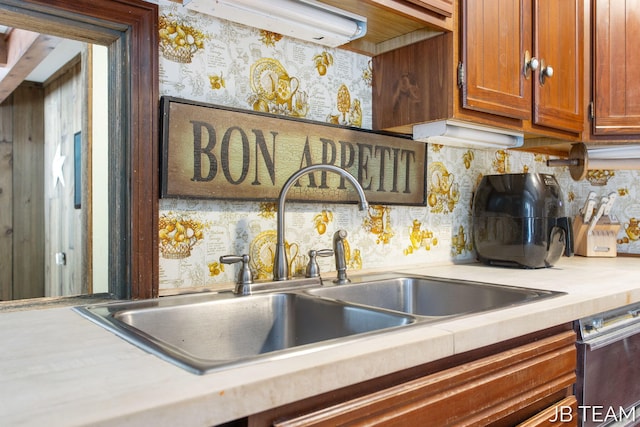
(245, 277)
(313, 269)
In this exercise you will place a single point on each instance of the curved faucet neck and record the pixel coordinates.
(281, 264)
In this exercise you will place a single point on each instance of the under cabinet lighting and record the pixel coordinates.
(457, 133)
(615, 152)
(302, 19)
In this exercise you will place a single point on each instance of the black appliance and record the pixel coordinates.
(519, 221)
(607, 389)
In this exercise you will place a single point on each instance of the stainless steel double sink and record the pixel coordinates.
(211, 331)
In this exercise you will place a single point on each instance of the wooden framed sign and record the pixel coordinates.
(213, 152)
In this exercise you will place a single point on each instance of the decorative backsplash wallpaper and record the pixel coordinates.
(219, 62)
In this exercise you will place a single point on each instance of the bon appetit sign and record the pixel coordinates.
(213, 152)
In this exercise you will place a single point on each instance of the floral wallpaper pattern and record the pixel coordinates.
(219, 62)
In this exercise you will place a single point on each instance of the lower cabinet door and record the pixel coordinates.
(563, 413)
(506, 388)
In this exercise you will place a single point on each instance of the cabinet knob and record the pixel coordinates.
(545, 71)
(530, 64)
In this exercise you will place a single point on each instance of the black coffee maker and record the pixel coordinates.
(519, 221)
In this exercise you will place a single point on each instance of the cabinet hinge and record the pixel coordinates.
(461, 76)
(592, 111)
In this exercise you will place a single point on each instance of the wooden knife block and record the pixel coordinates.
(602, 240)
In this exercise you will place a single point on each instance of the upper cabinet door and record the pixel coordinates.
(558, 46)
(616, 72)
(495, 36)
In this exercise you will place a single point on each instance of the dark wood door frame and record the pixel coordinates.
(130, 30)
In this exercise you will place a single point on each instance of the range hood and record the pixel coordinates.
(307, 20)
(458, 133)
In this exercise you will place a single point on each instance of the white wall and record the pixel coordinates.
(100, 169)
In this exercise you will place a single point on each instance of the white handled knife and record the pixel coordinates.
(598, 215)
(612, 198)
(587, 210)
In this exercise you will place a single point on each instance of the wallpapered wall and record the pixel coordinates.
(219, 62)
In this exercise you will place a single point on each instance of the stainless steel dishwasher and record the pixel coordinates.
(608, 386)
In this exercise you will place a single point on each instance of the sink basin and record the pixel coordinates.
(433, 297)
(212, 331)
(203, 333)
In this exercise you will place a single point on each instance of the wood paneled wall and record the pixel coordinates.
(6, 200)
(37, 214)
(22, 197)
(64, 98)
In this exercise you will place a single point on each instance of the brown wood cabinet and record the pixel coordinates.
(436, 8)
(549, 416)
(558, 42)
(524, 383)
(413, 84)
(395, 23)
(484, 79)
(524, 59)
(616, 67)
(494, 38)
(441, 7)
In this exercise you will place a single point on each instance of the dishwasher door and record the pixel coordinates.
(608, 386)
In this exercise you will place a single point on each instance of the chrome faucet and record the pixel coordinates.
(280, 262)
(341, 259)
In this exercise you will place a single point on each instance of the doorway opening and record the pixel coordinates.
(129, 31)
(54, 195)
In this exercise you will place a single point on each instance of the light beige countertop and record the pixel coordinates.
(59, 369)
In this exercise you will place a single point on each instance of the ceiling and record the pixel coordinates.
(29, 56)
(64, 52)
